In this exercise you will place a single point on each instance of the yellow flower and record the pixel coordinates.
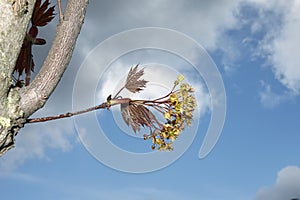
(164, 135)
(180, 77)
(167, 115)
(167, 126)
(158, 141)
(173, 137)
(176, 132)
(174, 98)
(178, 108)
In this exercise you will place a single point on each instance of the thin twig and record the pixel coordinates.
(69, 114)
(61, 17)
(119, 92)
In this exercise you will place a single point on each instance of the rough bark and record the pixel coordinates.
(17, 105)
(14, 19)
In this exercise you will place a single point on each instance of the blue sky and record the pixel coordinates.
(254, 44)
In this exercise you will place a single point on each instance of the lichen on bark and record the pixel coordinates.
(14, 19)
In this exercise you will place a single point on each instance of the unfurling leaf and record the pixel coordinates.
(136, 116)
(133, 84)
(42, 14)
(40, 17)
(25, 61)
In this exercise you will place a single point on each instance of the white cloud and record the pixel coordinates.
(287, 186)
(231, 55)
(34, 140)
(286, 59)
(271, 4)
(112, 80)
(281, 42)
(279, 22)
(268, 30)
(270, 99)
(202, 20)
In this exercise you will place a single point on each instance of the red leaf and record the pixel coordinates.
(40, 17)
(25, 61)
(33, 31)
(39, 41)
(137, 116)
(42, 14)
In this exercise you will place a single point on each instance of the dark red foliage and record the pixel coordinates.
(41, 16)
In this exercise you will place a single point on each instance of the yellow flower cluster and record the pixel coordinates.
(181, 104)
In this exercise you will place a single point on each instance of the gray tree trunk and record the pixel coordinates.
(16, 105)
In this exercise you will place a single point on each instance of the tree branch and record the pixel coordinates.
(108, 104)
(13, 25)
(34, 96)
(69, 114)
(14, 19)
